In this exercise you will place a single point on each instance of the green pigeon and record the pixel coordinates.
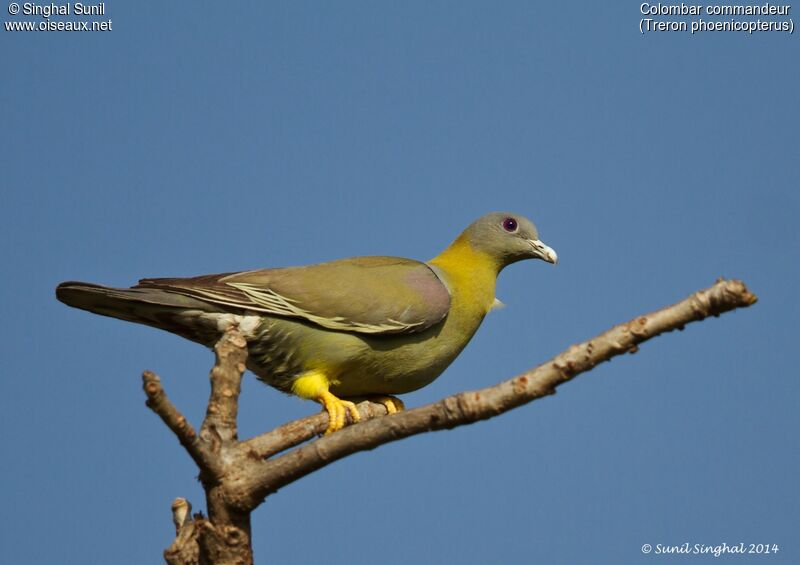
(363, 327)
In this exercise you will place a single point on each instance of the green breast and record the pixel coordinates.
(362, 364)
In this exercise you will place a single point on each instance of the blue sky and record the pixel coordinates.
(198, 138)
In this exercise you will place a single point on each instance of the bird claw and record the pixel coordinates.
(392, 403)
(337, 410)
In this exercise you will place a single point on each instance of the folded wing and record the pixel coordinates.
(370, 295)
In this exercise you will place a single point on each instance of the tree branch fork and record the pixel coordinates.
(238, 475)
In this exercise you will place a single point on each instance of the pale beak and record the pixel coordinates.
(543, 252)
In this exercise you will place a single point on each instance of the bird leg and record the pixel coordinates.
(392, 403)
(336, 409)
(314, 384)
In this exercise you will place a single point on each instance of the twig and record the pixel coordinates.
(237, 476)
(299, 431)
(223, 537)
(158, 402)
(226, 380)
(265, 477)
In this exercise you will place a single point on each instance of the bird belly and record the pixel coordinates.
(394, 369)
(282, 349)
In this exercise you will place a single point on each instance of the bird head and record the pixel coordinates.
(508, 238)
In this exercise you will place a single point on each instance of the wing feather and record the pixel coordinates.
(370, 295)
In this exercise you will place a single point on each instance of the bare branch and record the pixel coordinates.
(223, 543)
(219, 424)
(294, 433)
(223, 537)
(181, 513)
(158, 402)
(265, 477)
(184, 549)
(237, 476)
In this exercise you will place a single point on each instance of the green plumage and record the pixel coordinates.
(370, 325)
(377, 295)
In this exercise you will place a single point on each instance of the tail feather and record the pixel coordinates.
(153, 307)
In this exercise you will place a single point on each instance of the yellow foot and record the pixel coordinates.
(336, 409)
(392, 403)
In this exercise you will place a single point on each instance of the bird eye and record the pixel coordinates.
(510, 225)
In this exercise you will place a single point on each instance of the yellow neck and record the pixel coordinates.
(471, 275)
